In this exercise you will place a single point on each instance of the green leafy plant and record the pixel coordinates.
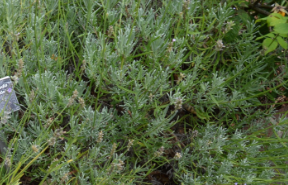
(278, 34)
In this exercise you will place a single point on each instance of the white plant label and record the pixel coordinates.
(8, 99)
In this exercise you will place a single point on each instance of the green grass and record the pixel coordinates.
(102, 86)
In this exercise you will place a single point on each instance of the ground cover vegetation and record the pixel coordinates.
(144, 92)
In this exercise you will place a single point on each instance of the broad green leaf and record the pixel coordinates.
(283, 35)
(282, 42)
(271, 35)
(281, 28)
(267, 42)
(272, 47)
(269, 45)
(275, 19)
(262, 19)
(278, 15)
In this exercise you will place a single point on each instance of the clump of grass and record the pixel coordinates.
(102, 86)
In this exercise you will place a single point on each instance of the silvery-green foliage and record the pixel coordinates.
(51, 5)
(161, 27)
(35, 128)
(215, 155)
(173, 97)
(130, 54)
(109, 5)
(47, 84)
(70, 25)
(217, 92)
(173, 7)
(222, 14)
(83, 178)
(145, 22)
(23, 147)
(137, 71)
(160, 123)
(154, 80)
(97, 160)
(62, 170)
(212, 140)
(96, 156)
(193, 6)
(112, 16)
(189, 178)
(122, 5)
(125, 41)
(158, 47)
(118, 74)
(49, 47)
(71, 151)
(98, 53)
(175, 58)
(92, 123)
(10, 18)
(53, 87)
(13, 123)
(136, 102)
(29, 35)
(155, 32)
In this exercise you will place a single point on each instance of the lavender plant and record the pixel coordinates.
(103, 87)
